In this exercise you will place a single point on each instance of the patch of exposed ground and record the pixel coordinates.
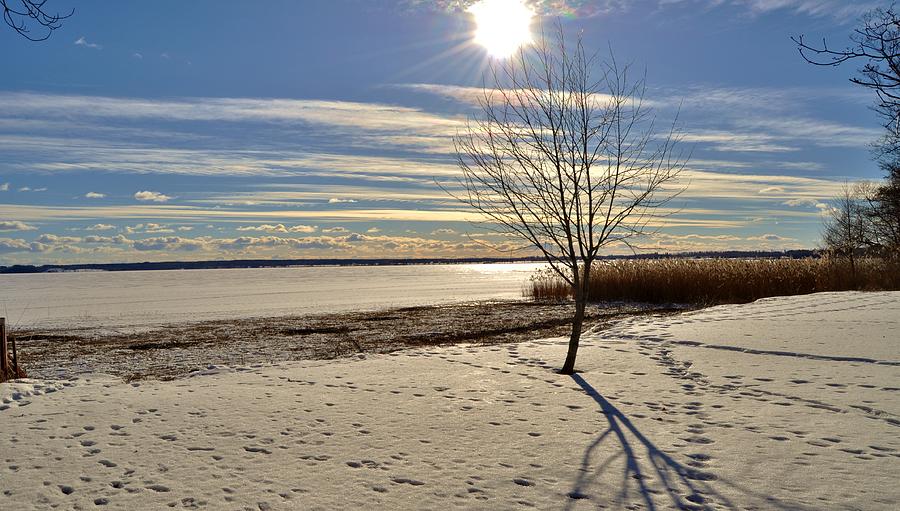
(174, 350)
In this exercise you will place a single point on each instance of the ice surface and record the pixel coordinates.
(739, 407)
(151, 298)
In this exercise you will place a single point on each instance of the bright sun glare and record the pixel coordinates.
(503, 25)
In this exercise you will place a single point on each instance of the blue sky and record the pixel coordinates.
(205, 130)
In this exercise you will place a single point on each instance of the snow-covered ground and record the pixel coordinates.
(786, 403)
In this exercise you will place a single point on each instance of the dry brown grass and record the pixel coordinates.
(175, 350)
(711, 281)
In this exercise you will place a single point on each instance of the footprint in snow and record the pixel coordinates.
(406, 480)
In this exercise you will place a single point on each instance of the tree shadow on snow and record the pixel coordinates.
(680, 486)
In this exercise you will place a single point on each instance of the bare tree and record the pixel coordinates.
(883, 213)
(877, 44)
(21, 15)
(846, 231)
(564, 156)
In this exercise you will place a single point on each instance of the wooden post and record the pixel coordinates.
(4, 352)
(15, 358)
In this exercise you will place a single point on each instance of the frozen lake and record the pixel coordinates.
(134, 299)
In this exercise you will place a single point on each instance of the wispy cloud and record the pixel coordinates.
(820, 8)
(375, 116)
(81, 41)
(838, 9)
(738, 142)
(572, 8)
(34, 213)
(365, 167)
(805, 202)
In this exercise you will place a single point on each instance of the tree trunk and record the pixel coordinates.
(581, 297)
(4, 355)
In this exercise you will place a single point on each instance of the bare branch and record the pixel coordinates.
(20, 15)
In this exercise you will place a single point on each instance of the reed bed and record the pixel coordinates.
(714, 281)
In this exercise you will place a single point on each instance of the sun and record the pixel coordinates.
(503, 26)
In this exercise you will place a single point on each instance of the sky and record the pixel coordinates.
(171, 130)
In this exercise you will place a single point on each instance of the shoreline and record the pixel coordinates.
(174, 350)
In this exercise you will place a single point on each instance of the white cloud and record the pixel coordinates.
(138, 55)
(771, 189)
(15, 225)
(247, 243)
(356, 238)
(442, 231)
(149, 228)
(204, 247)
(81, 41)
(279, 228)
(4, 187)
(53, 239)
(794, 203)
(148, 196)
(769, 237)
(170, 243)
(157, 228)
(337, 229)
(100, 227)
(94, 195)
(8, 245)
(109, 240)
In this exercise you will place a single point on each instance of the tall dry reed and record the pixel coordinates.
(711, 281)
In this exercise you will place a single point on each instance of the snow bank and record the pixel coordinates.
(787, 403)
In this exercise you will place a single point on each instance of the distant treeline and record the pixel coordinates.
(282, 263)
